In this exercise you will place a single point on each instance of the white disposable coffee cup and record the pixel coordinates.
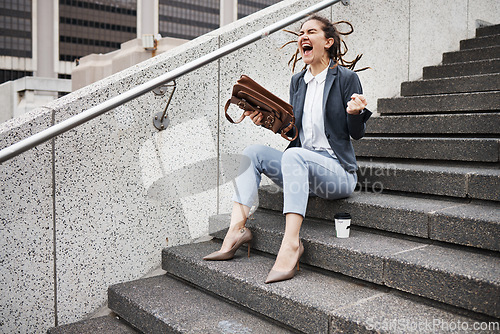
(342, 224)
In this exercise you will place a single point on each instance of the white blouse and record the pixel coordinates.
(312, 133)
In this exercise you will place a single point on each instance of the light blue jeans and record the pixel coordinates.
(300, 172)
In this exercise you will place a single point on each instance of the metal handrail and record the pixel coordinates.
(72, 122)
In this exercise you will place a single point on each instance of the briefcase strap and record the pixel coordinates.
(240, 104)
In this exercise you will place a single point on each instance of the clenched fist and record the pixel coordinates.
(357, 103)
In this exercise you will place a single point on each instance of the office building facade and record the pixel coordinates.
(83, 27)
(16, 39)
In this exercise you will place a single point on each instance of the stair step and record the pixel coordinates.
(452, 149)
(473, 123)
(163, 304)
(443, 180)
(312, 302)
(471, 55)
(480, 42)
(102, 325)
(468, 225)
(484, 185)
(488, 30)
(445, 275)
(462, 69)
(449, 221)
(473, 284)
(464, 84)
(443, 103)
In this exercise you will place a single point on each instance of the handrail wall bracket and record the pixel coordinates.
(346, 2)
(160, 120)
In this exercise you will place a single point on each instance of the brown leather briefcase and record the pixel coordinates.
(250, 96)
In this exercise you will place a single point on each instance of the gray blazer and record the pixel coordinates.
(340, 84)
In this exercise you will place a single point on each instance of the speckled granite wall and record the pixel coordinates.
(26, 230)
(122, 188)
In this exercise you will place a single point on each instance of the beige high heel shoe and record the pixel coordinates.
(245, 238)
(277, 276)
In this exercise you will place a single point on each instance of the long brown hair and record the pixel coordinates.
(336, 52)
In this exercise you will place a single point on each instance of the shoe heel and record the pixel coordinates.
(248, 249)
(301, 251)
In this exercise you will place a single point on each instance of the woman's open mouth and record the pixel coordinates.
(307, 48)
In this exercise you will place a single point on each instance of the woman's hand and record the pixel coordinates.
(255, 116)
(357, 103)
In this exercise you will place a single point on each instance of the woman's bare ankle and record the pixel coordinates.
(232, 236)
(290, 244)
(236, 228)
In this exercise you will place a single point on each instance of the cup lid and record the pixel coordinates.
(342, 215)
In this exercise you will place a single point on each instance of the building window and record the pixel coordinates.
(247, 7)
(15, 28)
(94, 26)
(8, 75)
(188, 19)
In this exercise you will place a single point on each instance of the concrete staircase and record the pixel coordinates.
(424, 251)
